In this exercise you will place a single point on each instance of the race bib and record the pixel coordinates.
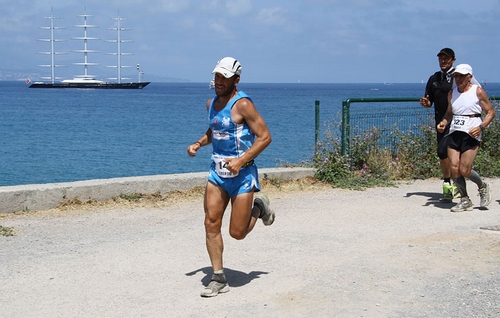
(461, 123)
(220, 166)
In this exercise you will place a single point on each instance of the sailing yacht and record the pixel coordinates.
(86, 80)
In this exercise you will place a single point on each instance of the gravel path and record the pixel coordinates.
(383, 252)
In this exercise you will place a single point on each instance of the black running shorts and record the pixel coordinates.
(462, 141)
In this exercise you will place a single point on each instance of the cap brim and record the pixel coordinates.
(223, 71)
(447, 54)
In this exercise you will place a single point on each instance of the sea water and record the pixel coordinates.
(63, 135)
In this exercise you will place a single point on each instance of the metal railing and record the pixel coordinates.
(346, 115)
(412, 115)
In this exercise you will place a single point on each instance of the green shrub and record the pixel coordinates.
(487, 161)
(380, 155)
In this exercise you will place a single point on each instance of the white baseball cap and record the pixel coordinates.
(463, 69)
(228, 67)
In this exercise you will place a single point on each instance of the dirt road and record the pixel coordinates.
(383, 252)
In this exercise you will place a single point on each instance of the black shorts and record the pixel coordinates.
(462, 141)
(440, 136)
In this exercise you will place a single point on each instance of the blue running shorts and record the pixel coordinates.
(244, 182)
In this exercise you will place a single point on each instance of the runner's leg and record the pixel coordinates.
(215, 202)
(243, 215)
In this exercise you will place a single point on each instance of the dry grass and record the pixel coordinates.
(272, 187)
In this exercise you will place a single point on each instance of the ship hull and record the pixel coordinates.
(136, 85)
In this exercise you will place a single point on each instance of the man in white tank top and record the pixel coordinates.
(466, 102)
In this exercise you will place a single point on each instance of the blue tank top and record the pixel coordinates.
(228, 138)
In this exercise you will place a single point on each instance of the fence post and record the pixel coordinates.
(316, 130)
(346, 117)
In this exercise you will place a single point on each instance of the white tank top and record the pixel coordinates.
(465, 103)
(463, 106)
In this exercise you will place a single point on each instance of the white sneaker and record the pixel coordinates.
(218, 285)
(464, 205)
(484, 194)
(262, 202)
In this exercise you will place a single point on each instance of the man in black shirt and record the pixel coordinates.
(436, 92)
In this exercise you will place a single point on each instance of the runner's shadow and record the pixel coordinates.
(434, 199)
(236, 278)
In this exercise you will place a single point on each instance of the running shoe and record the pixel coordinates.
(447, 191)
(464, 205)
(455, 192)
(262, 202)
(484, 194)
(218, 285)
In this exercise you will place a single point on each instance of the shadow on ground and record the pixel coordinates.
(234, 277)
(433, 199)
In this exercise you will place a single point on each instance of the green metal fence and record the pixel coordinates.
(388, 112)
(414, 114)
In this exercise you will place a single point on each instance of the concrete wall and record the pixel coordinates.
(47, 196)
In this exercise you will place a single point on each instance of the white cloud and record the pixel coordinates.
(237, 8)
(182, 37)
(272, 16)
(218, 27)
(169, 6)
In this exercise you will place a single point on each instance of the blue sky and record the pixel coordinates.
(311, 41)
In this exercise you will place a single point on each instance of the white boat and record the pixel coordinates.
(83, 80)
(211, 85)
(86, 80)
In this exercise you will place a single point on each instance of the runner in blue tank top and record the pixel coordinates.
(228, 138)
(238, 134)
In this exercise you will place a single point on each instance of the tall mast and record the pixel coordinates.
(85, 40)
(119, 52)
(52, 41)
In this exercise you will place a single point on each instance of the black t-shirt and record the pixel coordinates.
(437, 88)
